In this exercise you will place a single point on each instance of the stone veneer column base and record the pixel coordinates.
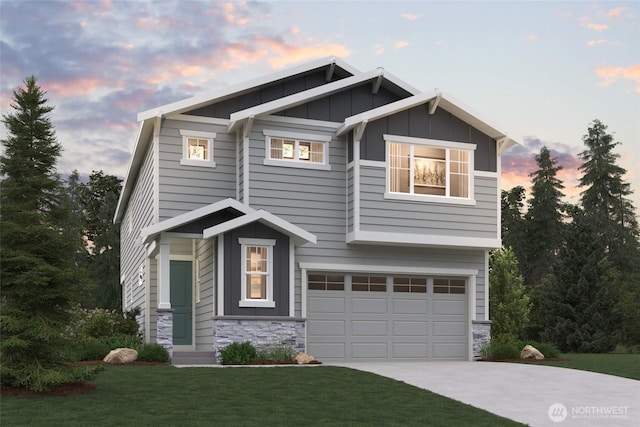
(481, 336)
(262, 330)
(164, 325)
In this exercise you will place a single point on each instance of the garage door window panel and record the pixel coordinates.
(449, 286)
(416, 285)
(325, 282)
(369, 284)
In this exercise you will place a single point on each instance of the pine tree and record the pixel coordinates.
(579, 302)
(98, 199)
(605, 197)
(512, 221)
(543, 221)
(39, 280)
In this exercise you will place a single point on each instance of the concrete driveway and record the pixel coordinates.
(532, 394)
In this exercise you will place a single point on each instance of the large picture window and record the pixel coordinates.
(431, 170)
(257, 273)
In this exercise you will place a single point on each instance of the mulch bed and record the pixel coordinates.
(82, 387)
(271, 362)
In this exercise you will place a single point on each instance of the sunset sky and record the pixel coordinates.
(540, 70)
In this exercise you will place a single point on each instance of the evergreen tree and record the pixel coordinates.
(39, 280)
(579, 302)
(508, 304)
(99, 199)
(512, 221)
(605, 197)
(543, 221)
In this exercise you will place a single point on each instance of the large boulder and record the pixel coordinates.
(121, 355)
(530, 352)
(303, 358)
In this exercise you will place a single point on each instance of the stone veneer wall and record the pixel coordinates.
(164, 337)
(481, 337)
(230, 329)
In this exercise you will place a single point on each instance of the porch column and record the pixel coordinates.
(164, 272)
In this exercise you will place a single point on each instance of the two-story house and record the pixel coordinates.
(344, 212)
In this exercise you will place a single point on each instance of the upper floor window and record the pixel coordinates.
(197, 148)
(296, 150)
(257, 273)
(430, 168)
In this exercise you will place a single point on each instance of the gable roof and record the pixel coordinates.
(377, 76)
(248, 215)
(435, 98)
(208, 97)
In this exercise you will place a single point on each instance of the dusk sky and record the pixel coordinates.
(539, 70)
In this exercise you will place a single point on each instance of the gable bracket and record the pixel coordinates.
(360, 130)
(377, 82)
(502, 144)
(246, 129)
(433, 104)
(330, 71)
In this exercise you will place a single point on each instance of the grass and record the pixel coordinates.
(164, 395)
(622, 365)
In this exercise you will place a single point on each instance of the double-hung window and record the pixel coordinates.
(197, 148)
(257, 273)
(429, 169)
(296, 150)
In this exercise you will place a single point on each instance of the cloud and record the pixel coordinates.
(519, 162)
(614, 13)
(611, 75)
(410, 16)
(596, 42)
(400, 44)
(597, 27)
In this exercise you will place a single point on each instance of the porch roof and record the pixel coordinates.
(247, 216)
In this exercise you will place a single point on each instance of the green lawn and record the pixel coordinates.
(622, 365)
(322, 396)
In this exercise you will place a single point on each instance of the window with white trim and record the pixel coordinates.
(197, 148)
(257, 273)
(429, 168)
(296, 150)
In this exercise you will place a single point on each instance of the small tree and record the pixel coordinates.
(512, 221)
(508, 303)
(39, 278)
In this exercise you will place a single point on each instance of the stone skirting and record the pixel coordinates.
(481, 337)
(164, 325)
(227, 330)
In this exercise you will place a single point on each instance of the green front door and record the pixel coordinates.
(181, 279)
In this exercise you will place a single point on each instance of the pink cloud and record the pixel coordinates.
(613, 13)
(78, 87)
(532, 38)
(401, 43)
(611, 75)
(596, 42)
(411, 17)
(597, 27)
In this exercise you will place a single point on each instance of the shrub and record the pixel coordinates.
(153, 353)
(506, 351)
(278, 352)
(238, 353)
(100, 322)
(89, 348)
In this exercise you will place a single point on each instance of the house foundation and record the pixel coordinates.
(481, 337)
(258, 331)
(164, 325)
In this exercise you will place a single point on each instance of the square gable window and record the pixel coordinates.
(197, 148)
(296, 150)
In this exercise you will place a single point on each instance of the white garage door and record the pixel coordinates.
(355, 317)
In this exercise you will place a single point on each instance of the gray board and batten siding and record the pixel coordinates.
(269, 92)
(417, 122)
(233, 271)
